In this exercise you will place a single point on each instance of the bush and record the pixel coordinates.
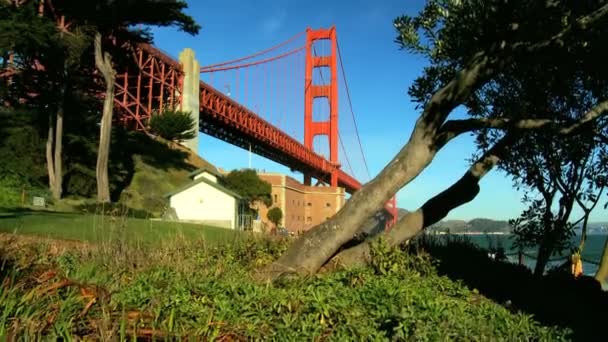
(275, 215)
(173, 125)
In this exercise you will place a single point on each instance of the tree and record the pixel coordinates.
(47, 59)
(468, 44)
(275, 215)
(173, 125)
(247, 184)
(112, 19)
(557, 174)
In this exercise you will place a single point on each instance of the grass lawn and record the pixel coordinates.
(98, 228)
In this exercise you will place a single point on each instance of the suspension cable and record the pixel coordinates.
(257, 62)
(212, 66)
(351, 109)
(346, 155)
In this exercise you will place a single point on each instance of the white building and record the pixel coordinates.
(205, 201)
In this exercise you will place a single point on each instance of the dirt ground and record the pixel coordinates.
(14, 242)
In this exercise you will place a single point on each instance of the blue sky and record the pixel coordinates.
(378, 74)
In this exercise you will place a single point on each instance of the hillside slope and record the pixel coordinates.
(159, 168)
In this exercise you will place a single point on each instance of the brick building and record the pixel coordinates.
(303, 206)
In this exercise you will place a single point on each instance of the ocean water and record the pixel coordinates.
(592, 251)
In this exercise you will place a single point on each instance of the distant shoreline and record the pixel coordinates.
(497, 233)
(469, 233)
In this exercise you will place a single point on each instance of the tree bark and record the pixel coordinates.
(103, 62)
(57, 160)
(602, 272)
(581, 244)
(435, 209)
(50, 165)
(542, 259)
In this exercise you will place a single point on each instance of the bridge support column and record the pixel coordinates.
(191, 92)
(328, 91)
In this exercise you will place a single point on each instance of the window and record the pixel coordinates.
(328, 204)
(309, 204)
(308, 219)
(276, 198)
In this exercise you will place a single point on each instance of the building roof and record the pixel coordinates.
(209, 169)
(204, 180)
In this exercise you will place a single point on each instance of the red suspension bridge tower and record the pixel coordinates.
(329, 91)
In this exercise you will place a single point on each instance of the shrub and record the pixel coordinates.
(275, 215)
(173, 125)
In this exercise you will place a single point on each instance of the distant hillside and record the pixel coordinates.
(595, 228)
(477, 225)
(484, 225)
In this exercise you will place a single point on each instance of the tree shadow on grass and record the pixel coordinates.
(557, 299)
(157, 153)
(17, 212)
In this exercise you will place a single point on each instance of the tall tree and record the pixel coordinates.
(557, 174)
(113, 19)
(468, 44)
(46, 59)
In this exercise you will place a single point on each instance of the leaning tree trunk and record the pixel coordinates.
(602, 273)
(315, 247)
(103, 62)
(435, 209)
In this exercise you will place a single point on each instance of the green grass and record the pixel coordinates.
(191, 290)
(99, 228)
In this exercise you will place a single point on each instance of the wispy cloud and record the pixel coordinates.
(275, 22)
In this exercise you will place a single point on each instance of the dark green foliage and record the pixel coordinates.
(275, 215)
(23, 165)
(173, 125)
(247, 184)
(532, 230)
(558, 84)
(190, 290)
(108, 15)
(23, 32)
(558, 299)
(115, 209)
(22, 152)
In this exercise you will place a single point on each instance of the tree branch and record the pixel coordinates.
(103, 61)
(453, 128)
(435, 209)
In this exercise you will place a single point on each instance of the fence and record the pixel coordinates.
(245, 222)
